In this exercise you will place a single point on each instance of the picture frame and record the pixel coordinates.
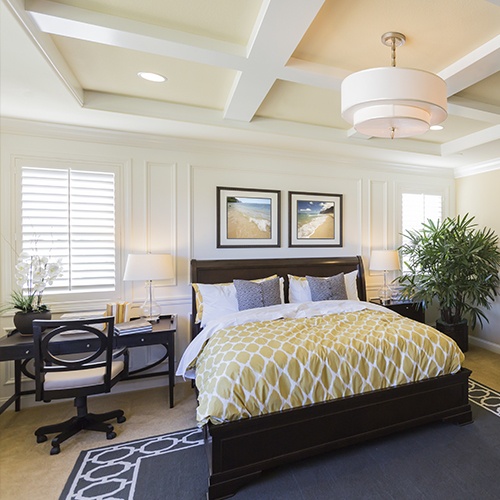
(248, 218)
(315, 219)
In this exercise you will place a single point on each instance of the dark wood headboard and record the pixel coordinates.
(224, 271)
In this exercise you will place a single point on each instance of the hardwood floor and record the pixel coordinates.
(147, 414)
(485, 366)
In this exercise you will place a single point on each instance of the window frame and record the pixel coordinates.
(70, 300)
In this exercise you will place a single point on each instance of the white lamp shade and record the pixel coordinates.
(393, 102)
(384, 260)
(144, 267)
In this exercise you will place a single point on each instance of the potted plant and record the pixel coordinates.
(457, 264)
(33, 275)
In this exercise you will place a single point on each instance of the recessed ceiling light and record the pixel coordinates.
(152, 77)
(436, 127)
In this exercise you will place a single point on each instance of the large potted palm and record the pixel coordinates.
(456, 264)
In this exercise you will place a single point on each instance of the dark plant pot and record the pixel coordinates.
(24, 321)
(459, 332)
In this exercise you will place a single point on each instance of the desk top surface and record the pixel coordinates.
(16, 341)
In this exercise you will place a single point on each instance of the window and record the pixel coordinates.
(418, 208)
(70, 214)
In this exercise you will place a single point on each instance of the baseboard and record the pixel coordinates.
(485, 344)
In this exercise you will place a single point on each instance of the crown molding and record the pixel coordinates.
(478, 168)
(79, 133)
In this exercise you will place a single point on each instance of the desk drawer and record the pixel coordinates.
(140, 339)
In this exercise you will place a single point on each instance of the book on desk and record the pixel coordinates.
(133, 326)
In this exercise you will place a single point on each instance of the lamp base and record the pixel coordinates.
(150, 309)
(385, 295)
(151, 319)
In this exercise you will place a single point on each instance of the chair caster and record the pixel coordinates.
(111, 435)
(41, 439)
(55, 450)
(120, 420)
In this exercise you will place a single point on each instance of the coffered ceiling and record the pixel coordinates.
(260, 72)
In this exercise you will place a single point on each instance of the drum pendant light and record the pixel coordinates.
(393, 102)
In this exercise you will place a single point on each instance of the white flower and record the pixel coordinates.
(33, 274)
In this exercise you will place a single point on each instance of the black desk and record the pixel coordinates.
(20, 349)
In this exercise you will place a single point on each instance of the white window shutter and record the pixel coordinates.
(70, 214)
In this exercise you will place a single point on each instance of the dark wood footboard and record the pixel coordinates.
(239, 451)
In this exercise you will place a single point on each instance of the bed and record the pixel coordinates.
(239, 450)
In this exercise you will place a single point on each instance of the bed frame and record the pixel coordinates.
(239, 451)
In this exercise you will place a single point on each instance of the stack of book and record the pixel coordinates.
(134, 326)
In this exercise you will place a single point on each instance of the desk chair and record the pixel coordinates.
(94, 372)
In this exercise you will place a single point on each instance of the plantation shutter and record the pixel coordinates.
(418, 208)
(70, 214)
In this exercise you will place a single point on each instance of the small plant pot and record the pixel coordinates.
(459, 332)
(24, 321)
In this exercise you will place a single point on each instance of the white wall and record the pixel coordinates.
(168, 194)
(478, 196)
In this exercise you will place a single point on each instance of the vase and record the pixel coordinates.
(23, 321)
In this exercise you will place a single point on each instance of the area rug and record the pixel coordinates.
(434, 461)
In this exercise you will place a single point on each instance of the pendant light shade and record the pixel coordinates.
(393, 102)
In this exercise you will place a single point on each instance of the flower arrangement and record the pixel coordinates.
(33, 275)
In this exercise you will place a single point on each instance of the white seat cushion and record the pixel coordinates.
(72, 379)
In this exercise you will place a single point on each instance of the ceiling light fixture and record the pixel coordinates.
(152, 77)
(393, 102)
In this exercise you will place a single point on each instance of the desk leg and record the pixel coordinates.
(171, 370)
(17, 383)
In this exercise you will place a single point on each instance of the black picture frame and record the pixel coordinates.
(315, 219)
(248, 218)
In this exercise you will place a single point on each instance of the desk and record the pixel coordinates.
(20, 349)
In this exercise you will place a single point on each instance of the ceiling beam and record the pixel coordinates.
(479, 138)
(73, 22)
(474, 110)
(46, 46)
(313, 74)
(278, 31)
(473, 67)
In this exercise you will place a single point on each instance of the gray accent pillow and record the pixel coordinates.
(251, 294)
(332, 288)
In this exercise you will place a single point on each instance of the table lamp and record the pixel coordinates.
(149, 267)
(385, 260)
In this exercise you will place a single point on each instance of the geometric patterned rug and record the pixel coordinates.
(484, 397)
(111, 472)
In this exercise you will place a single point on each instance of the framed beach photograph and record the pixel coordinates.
(248, 218)
(315, 219)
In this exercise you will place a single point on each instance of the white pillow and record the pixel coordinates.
(215, 301)
(299, 291)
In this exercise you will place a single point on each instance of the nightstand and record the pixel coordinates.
(408, 308)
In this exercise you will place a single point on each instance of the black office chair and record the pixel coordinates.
(95, 371)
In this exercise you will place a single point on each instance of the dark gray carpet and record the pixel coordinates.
(436, 461)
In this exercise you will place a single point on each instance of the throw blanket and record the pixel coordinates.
(261, 367)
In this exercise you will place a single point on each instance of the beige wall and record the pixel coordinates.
(478, 195)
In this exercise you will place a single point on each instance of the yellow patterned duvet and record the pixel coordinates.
(263, 367)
